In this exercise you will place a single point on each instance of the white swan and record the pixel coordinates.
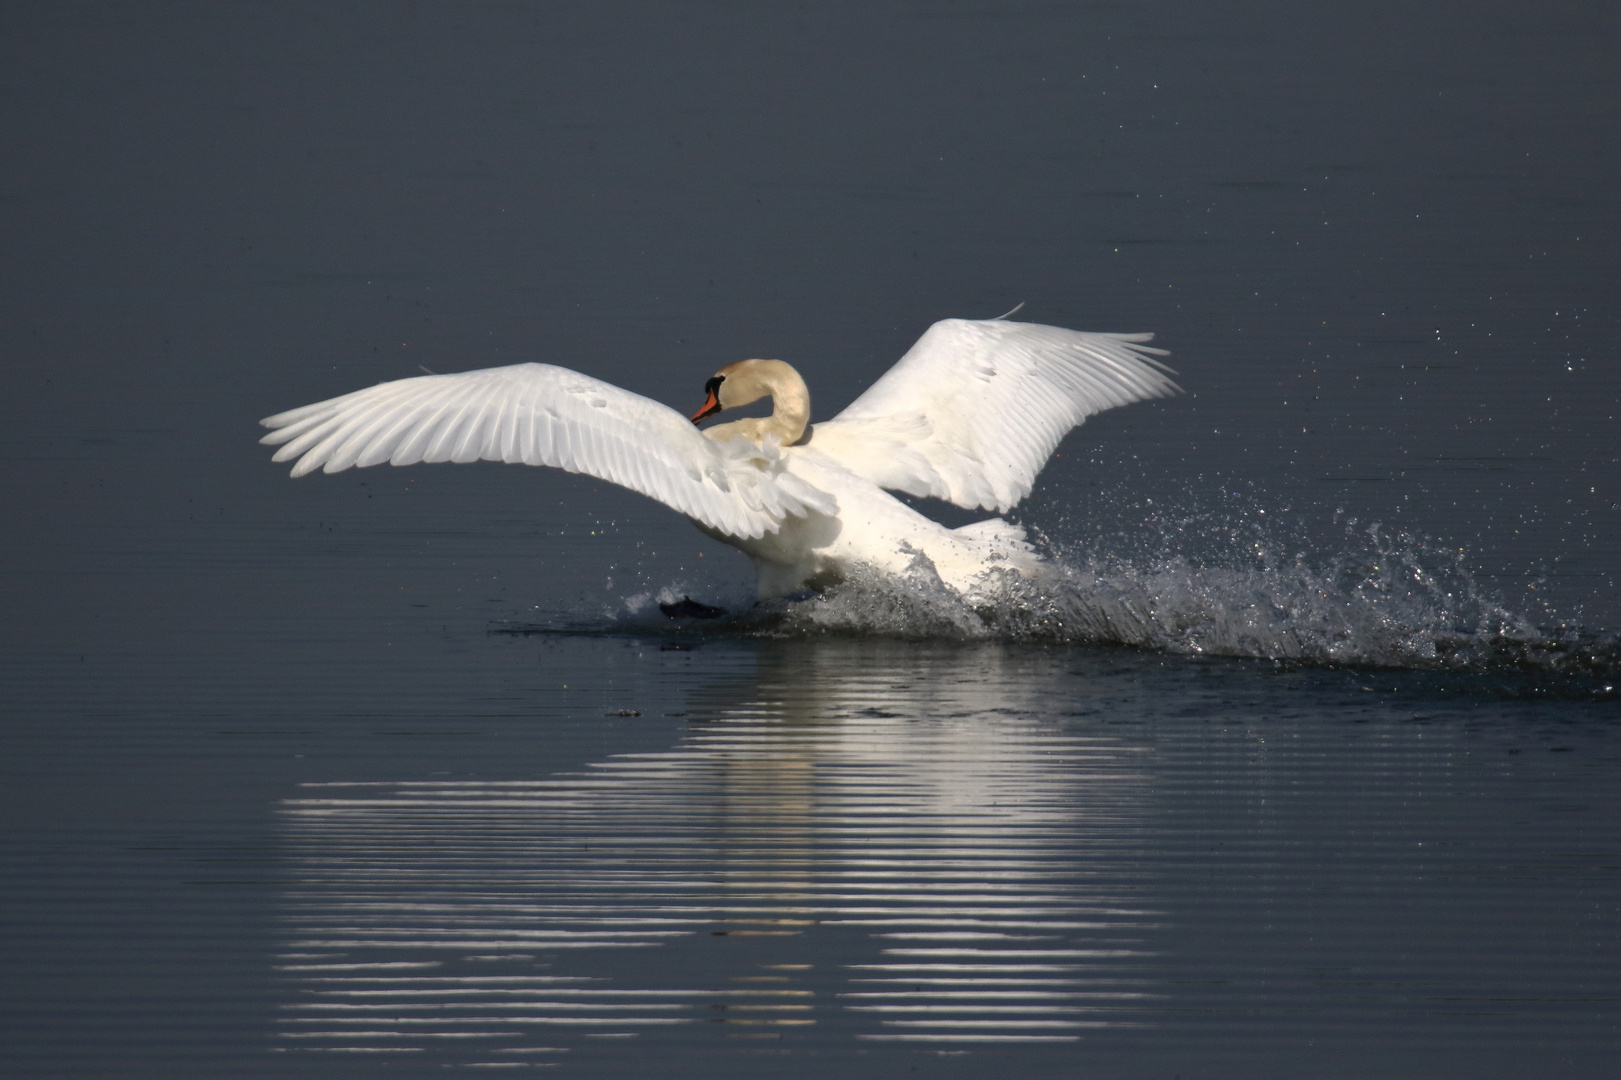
(969, 415)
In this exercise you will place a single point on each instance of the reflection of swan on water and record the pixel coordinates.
(892, 847)
(969, 415)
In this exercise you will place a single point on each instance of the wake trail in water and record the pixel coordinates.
(1395, 613)
(1373, 599)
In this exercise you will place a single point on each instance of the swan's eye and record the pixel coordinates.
(713, 385)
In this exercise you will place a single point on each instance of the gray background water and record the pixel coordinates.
(1383, 246)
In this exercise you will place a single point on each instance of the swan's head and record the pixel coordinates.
(748, 381)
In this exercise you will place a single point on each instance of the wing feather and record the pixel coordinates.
(973, 411)
(537, 414)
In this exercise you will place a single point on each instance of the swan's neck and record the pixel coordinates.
(751, 380)
(790, 411)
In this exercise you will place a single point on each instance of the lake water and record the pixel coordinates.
(1304, 763)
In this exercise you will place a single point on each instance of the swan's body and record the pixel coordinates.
(969, 415)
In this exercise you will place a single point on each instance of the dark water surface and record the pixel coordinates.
(1304, 764)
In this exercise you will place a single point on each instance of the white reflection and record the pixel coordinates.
(893, 848)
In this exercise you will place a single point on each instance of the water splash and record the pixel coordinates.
(1381, 599)
(1202, 584)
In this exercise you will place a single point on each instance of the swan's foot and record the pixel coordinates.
(792, 583)
(688, 608)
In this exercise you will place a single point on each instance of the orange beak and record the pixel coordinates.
(711, 407)
(712, 403)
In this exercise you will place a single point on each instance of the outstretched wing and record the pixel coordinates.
(537, 414)
(973, 411)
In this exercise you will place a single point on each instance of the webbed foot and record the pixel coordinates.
(688, 608)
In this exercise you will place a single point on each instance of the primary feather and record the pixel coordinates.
(973, 411)
(537, 414)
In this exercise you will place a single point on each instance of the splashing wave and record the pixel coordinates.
(1382, 600)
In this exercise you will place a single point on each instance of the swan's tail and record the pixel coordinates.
(1003, 545)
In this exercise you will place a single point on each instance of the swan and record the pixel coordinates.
(969, 415)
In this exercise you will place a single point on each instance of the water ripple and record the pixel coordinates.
(967, 882)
